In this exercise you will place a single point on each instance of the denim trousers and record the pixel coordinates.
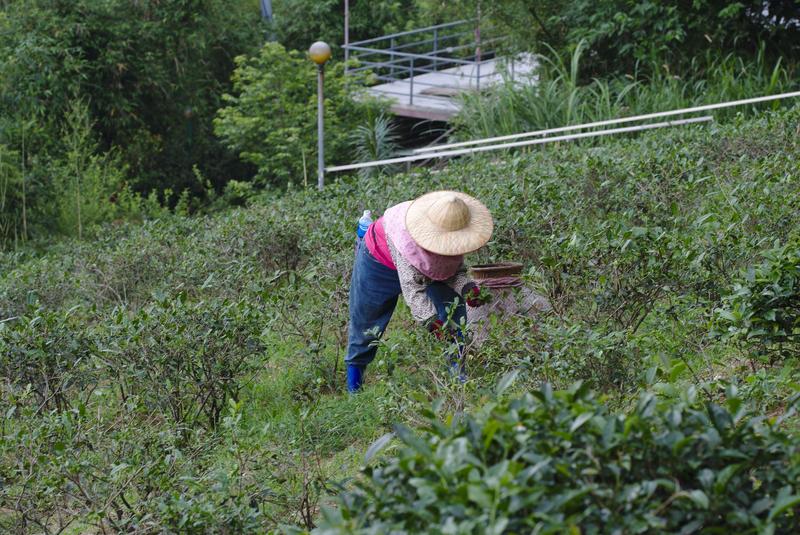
(374, 289)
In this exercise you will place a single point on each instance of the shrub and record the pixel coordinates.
(12, 199)
(48, 352)
(764, 307)
(211, 503)
(323, 20)
(184, 358)
(104, 464)
(602, 228)
(377, 139)
(550, 462)
(624, 32)
(87, 188)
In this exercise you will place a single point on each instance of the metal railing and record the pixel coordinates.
(404, 56)
(518, 140)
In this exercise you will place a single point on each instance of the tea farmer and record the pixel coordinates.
(416, 249)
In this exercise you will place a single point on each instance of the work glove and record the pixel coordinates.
(475, 297)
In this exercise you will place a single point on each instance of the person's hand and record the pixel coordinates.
(476, 297)
(438, 329)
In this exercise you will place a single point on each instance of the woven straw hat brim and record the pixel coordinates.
(433, 238)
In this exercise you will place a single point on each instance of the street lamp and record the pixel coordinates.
(320, 52)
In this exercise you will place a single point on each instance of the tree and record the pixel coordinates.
(270, 119)
(152, 73)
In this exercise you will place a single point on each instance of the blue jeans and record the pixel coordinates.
(374, 289)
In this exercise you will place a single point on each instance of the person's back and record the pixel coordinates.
(415, 249)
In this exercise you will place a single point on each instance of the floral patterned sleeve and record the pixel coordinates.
(414, 285)
(460, 282)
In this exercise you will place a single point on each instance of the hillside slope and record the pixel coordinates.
(186, 373)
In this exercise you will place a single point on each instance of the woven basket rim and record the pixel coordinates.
(499, 269)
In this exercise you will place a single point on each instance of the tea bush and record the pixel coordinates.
(48, 353)
(108, 467)
(201, 357)
(551, 462)
(764, 307)
(184, 359)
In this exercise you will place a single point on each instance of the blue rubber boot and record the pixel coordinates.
(355, 378)
(457, 363)
(458, 370)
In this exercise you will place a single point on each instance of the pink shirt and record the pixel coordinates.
(375, 239)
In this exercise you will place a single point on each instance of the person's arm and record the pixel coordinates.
(460, 282)
(464, 286)
(414, 286)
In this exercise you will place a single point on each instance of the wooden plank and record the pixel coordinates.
(418, 112)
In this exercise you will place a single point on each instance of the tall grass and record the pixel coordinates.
(376, 139)
(556, 96)
(67, 192)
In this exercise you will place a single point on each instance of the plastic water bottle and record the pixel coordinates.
(363, 224)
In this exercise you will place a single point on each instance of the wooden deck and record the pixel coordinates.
(433, 92)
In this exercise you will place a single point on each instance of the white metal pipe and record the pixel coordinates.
(459, 152)
(608, 122)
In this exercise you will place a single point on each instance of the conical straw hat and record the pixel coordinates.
(449, 223)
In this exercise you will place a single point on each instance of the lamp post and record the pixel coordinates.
(320, 52)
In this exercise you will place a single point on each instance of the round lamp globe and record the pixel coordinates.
(319, 52)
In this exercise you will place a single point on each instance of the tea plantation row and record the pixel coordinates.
(184, 375)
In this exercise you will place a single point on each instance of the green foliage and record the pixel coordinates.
(375, 140)
(271, 119)
(634, 241)
(101, 466)
(551, 462)
(47, 355)
(84, 187)
(560, 96)
(150, 75)
(298, 23)
(13, 202)
(622, 33)
(87, 188)
(624, 36)
(764, 306)
(184, 359)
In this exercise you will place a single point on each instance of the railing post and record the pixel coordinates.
(411, 84)
(478, 47)
(391, 57)
(435, 47)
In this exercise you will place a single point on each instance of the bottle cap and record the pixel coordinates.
(367, 213)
